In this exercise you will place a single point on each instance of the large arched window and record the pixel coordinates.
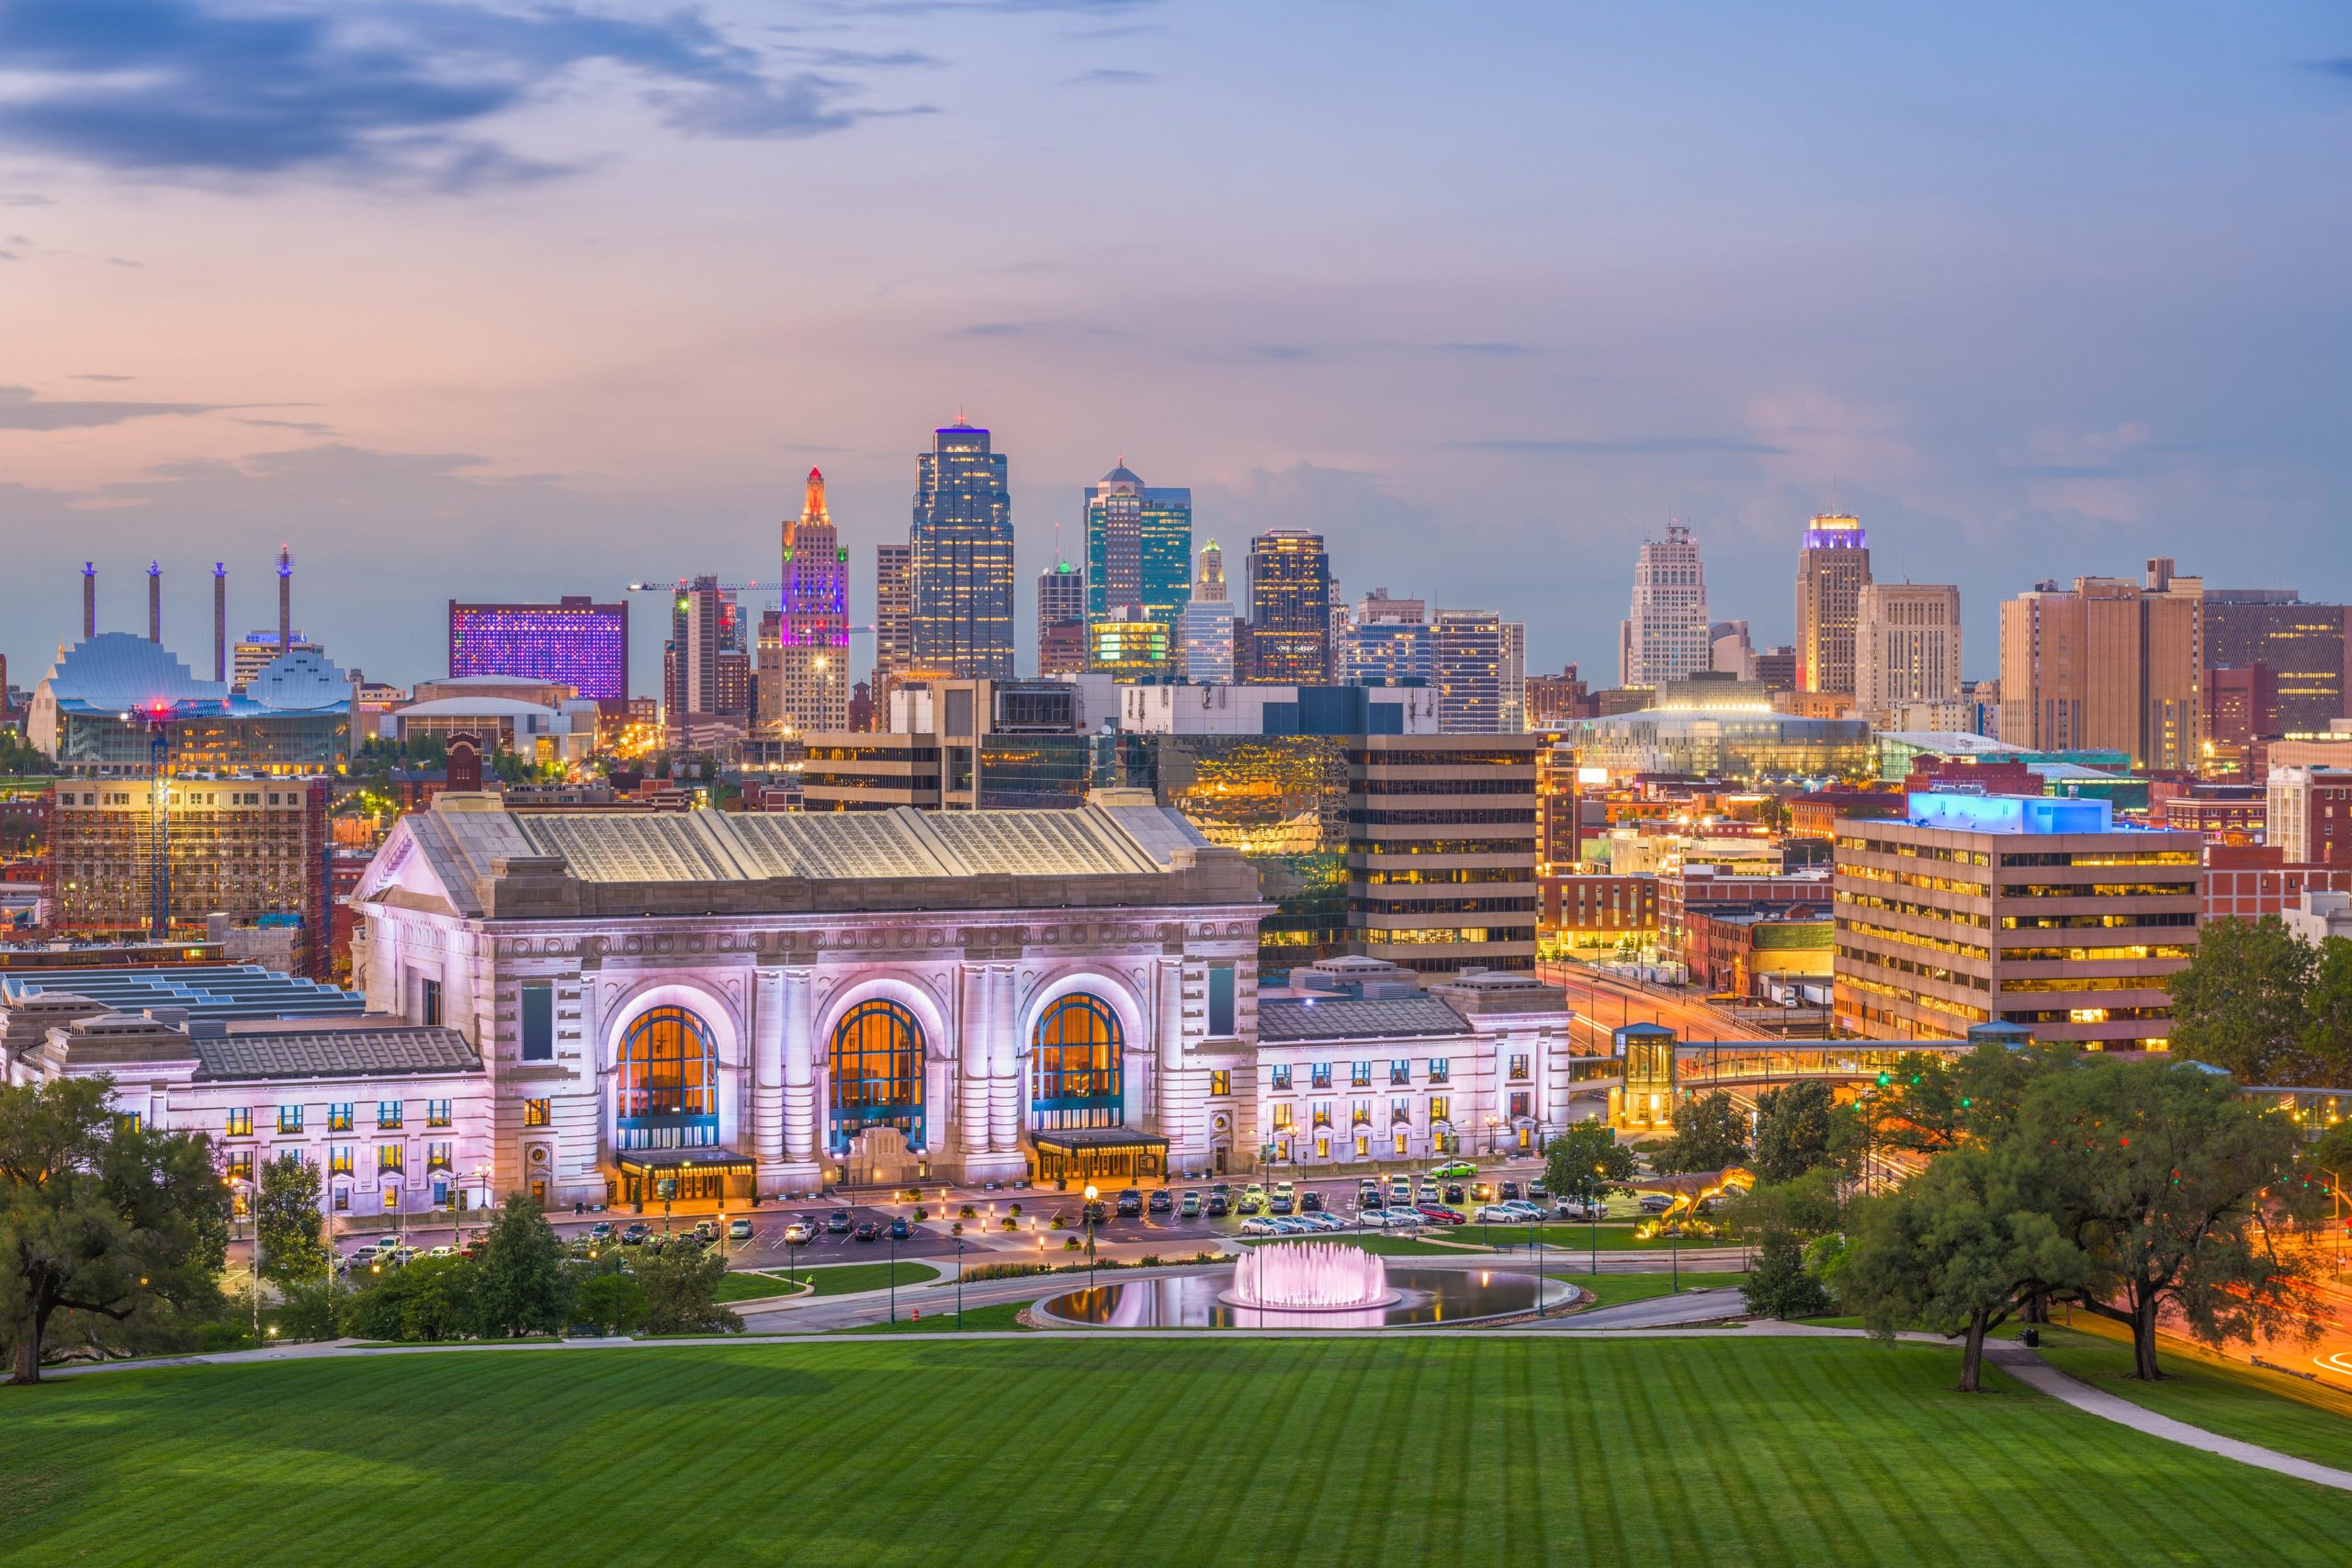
(876, 1061)
(669, 1084)
(1077, 1078)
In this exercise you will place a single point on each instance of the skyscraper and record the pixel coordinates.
(1467, 664)
(894, 613)
(705, 669)
(1138, 548)
(962, 539)
(1514, 677)
(1388, 641)
(812, 654)
(575, 640)
(1204, 631)
(2107, 665)
(1665, 637)
(1061, 620)
(1906, 644)
(1289, 639)
(2307, 648)
(1831, 569)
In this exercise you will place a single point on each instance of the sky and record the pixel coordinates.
(488, 301)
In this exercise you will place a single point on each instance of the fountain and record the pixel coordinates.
(1311, 1276)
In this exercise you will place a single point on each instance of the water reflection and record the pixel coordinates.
(1192, 1301)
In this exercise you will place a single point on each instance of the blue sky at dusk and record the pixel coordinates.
(513, 301)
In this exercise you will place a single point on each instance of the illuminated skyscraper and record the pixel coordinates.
(575, 640)
(2107, 665)
(894, 613)
(813, 632)
(1204, 631)
(1061, 619)
(961, 540)
(1831, 570)
(1906, 644)
(1289, 637)
(706, 668)
(1466, 648)
(1665, 638)
(1138, 548)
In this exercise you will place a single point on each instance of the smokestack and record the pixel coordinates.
(285, 599)
(220, 621)
(154, 601)
(89, 600)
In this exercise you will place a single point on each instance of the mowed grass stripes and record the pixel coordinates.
(1071, 1449)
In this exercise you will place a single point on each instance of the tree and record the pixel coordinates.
(2327, 1008)
(433, 1298)
(1710, 1133)
(1804, 1208)
(680, 1284)
(1792, 1130)
(1779, 1286)
(285, 1218)
(101, 1218)
(1956, 1250)
(521, 1287)
(2240, 1005)
(1586, 1163)
(2176, 1189)
(614, 1302)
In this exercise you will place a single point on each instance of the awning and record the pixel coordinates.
(1090, 1140)
(672, 1162)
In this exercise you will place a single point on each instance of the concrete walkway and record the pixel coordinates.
(2030, 1368)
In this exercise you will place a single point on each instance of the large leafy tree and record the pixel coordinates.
(2176, 1190)
(1958, 1249)
(102, 1220)
(2239, 1003)
(1586, 1163)
(286, 1219)
(1931, 1102)
(1792, 1131)
(1710, 1133)
(521, 1287)
(679, 1286)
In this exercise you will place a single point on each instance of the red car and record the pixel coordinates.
(1441, 1214)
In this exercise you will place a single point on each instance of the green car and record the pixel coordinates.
(1457, 1167)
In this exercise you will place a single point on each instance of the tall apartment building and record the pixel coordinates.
(706, 668)
(1467, 668)
(893, 612)
(575, 641)
(2107, 665)
(1204, 631)
(1514, 677)
(812, 668)
(962, 539)
(2023, 909)
(1289, 637)
(1441, 838)
(1138, 548)
(253, 849)
(1906, 644)
(2308, 815)
(1831, 570)
(2307, 648)
(1061, 619)
(1665, 637)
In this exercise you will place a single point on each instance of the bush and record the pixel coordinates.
(615, 1302)
(315, 1308)
(1779, 1285)
(678, 1286)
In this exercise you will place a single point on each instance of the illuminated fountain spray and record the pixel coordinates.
(1314, 1276)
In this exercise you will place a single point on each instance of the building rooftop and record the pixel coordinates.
(223, 991)
(1286, 1019)
(2011, 813)
(330, 1052)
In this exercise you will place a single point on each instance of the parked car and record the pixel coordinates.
(635, 1235)
(1523, 1209)
(1130, 1205)
(1454, 1193)
(1368, 1193)
(739, 1230)
(1401, 1219)
(1259, 1226)
(798, 1233)
(1311, 1201)
(707, 1229)
(1655, 1202)
(1454, 1168)
(1161, 1204)
(1495, 1214)
(1095, 1213)
(901, 1230)
(601, 1232)
(444, 1250)
(1321, 1221)
(868, 1231)
(1509, 1190)
(1218, 1206)
(1439, 1215)
(1426, 1192)
(1400, 1190)
(838, 1222)
(388, 1244)
(1536, 1190)
(1252, 1202)
(1190, 1207)
(358, 1258)
(1281, 1203)
(1572, 1209)
(1482, 1192)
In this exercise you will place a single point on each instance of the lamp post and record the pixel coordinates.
(894, 1280)
(252, 1219)
(1088, 1213)
(1592, 1218)
(959, 1284)
(791, 1257)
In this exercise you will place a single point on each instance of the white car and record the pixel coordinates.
(1525, 1210)
(1402, 1220)
(1497, 1215)
(1258, 1224)
(1323, 1222)
(1569, 1209)
(800, 1233)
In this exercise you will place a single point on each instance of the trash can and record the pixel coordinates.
(2031, 1338)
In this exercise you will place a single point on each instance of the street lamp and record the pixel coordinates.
(1088, 1214)
(893, 1279)
(959, 1284)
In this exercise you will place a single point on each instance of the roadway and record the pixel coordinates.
(1603, 1003)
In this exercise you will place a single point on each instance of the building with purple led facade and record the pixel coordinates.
(576, 641)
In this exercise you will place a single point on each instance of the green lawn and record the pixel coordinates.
(1616, 1290)
(848, 1278)
(742, 1286)
(1565, 1237)
(1077, 1449)
(939, 1317)
(2306, 1419)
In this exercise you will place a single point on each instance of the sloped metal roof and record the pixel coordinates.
(332, 1053)
(1347, 1018)
(224, 991)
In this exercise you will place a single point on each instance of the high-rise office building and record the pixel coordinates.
(1831, 569)
(1388, 641)
(705, 669)
(1514, 677)
(1138, 548)
(2107, 665)
(813, 633)
(1906, 644)
(1441, 850)
(1665, 637)
(1061, 620)
(894, 613)
(1204, 631)
(2307, 648)
(1289, 637)
(260, 649)
(575, 640)
(1466, 663)
(961, 537)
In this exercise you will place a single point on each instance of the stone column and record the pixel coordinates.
(1004, 1065)
(767, 1068)
(974, 1047)
(800, 1167)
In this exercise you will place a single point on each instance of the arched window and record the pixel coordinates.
(1077, 1075)
(669, 1084)
(876, 1078)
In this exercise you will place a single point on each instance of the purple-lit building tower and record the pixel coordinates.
(575, 640)
(812, 635)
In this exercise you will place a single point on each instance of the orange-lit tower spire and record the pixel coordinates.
(812, 630)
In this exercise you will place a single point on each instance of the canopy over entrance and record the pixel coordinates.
(1085, 1152)
(683, 1176)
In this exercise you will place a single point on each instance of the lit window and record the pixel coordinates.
(241, 1123)
(534, 1113)
(387, 1114)
(338, 1118)
(391, 1157)
(436, 1113)
(1221, 1082)
(1518, 1069)
(1281, 1077)
(289, 1118)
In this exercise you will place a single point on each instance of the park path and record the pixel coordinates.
(2027, 1367)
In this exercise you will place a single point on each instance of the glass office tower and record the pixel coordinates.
(962, 543)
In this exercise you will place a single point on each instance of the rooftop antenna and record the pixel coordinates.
(285, 599)
(89, 599)
(220, 622)
(154, 601)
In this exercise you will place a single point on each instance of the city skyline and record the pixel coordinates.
(414, 371)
